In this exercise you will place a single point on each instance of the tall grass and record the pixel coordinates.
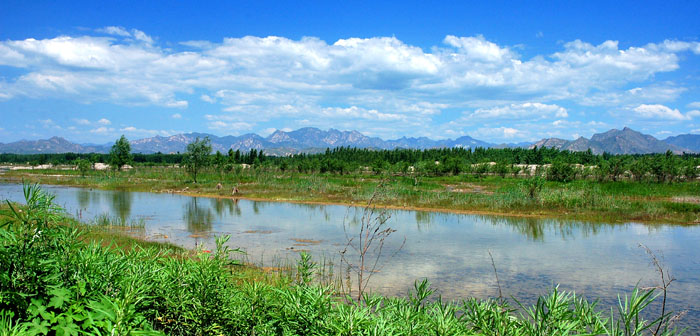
(54, 282)
(580, 199)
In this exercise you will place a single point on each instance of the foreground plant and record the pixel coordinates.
(54, 283)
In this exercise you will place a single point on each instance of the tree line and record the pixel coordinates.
(552, 163)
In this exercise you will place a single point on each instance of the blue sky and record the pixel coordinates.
(498, 71)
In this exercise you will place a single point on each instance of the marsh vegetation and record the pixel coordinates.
(516, 181)
(63, 277)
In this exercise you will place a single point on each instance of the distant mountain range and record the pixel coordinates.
(312, 140)
(625, 141)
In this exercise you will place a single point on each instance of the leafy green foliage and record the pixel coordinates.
(83, 166)
(120, 154)
(532, 187)
(197, 156)
(561, 171)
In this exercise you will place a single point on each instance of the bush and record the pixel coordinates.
(561, 171)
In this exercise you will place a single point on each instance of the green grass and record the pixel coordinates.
(579, 200)
(58, 277)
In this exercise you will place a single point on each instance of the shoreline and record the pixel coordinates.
(587, 216)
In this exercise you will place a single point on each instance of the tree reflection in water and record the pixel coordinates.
(83, 196)
(120, 202)
(536, 228)
(424, 220)
(198, 217)
(226, 206)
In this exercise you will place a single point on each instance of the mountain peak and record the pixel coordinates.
(311, 139)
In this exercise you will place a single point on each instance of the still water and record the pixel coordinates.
(451, 250)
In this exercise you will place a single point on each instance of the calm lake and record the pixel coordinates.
(596, 260)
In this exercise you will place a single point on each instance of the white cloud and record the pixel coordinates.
(693, 113)
(479, 49)
(48, 123)
(104, 121)
(357, 112)
(120, 31)
(228, 123)
(208, 99)
(176, 116)
(141, 36)
(236, 127)
(178, 104)
(135, 73)
(82, 121)
(102, 130)
(267, 131)
(499, 133)
(634, 96)
(694, 105)
(359, 82)
(134, 131)
(523, 110)
(657, 111)
(112, 30)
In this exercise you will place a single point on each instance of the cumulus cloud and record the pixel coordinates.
(102, 130)
(524, 110)
(227, 123)
(176, 116)
(208, 99)
(357, 112)
(499, 133)
(104, 121)
(134, 131)
(261, 64)
(267, 131)
(366, 80)
(658, 111)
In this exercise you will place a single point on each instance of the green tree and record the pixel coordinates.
(83, 166)
(120, 153)
(561, 171)
(197, 156)
(219, 162)
(639, 168)
(500, 168)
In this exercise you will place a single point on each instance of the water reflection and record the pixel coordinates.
(120, 202)
(226, 206)
(536, 229)
(83, 197)
(424, 220)
(198, 216)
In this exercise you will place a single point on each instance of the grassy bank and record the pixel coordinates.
(582, 199)
(58, 277)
